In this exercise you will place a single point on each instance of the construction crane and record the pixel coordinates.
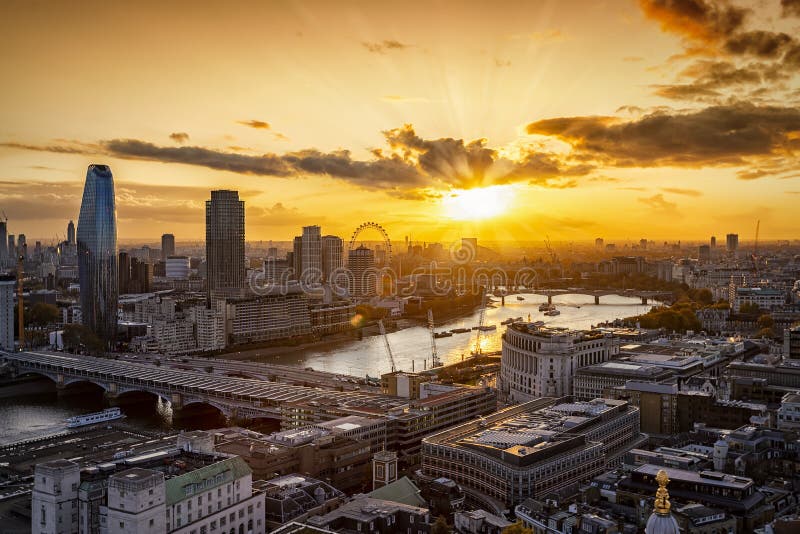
(386, 344)
(553, 256)
(434, 353)
(481, 318)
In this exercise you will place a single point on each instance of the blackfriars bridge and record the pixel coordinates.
(235, 398)
(645, 296)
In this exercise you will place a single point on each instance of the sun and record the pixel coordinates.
(478, 203)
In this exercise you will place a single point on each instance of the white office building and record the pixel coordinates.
(54, 499)
(177, 267)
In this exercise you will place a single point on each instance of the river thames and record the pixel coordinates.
(42, 413)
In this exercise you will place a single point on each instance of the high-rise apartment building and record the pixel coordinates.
(332, 255)
(71, 233)
(311, 255)
(97, 254)
(364, 281)
(7, 285)
(225, 241)
(167, 246)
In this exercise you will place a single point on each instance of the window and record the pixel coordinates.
(152, 522)
(122, 524)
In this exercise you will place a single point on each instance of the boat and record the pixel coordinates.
(546, 307)
(507, 321)
(437, 335)
(552, 313)
(520, 298)
(109, 414)
(459, 330)
(485, 328)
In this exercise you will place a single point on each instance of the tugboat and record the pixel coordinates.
(437, 335)
(110, 414)
(520, 298)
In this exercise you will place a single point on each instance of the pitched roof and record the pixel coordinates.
(402, 490)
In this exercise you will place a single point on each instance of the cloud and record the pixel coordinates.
(680, 191)
(179, 137)
(758, 43)
(550, 35)
(381, 47)
(658, 203)
(791, 8)
(711, 78)
(258, 125)
(717, 135)
(696, 20)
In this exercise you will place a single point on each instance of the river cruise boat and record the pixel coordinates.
(110, 414)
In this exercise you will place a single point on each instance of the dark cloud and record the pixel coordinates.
(71, 147)
(264, 165)
(258, 125)
(758, 43)
(696, 20)
(687, 91)
(381, 47)
(179, 137)
(711, 78)
(717, 135)
(791, 8)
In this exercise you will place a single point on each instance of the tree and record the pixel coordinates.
(749, 308)
(765, 321)
(766, 332)
(440, 526)
(517, 528)
(79, 337)
(704, 296)
(42, 314)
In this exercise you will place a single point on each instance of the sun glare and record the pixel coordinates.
(478, 203)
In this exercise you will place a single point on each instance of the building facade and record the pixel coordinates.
(542, 361)
(225, 242)
(7, 286)
(167, 246)
(97, 254)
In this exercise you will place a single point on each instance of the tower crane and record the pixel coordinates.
(386, 344)
(434, 353)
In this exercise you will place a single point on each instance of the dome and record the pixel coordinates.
(661, 520)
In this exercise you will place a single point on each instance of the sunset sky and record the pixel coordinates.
(574, 119)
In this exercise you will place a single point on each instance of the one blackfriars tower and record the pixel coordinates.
(97, 254)
(225, 244)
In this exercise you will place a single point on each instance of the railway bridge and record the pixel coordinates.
(235, 398)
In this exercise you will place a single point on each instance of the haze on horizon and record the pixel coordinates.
(575, 119)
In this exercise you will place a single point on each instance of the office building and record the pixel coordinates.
(22, 246)
(704, 253)
(332, 255)
(4, 251)
(598, 243)
(531, 449)
(167, 246)
(262, 318)
(225, 242)
(590, 382)
(713, 242)
(765, 298)
(97, 254)
(311, 255)
(54, 499)
(12, 250)
(791, 343)
(296, 498)
(71, 233)
(364, 276)
(177, 267)
(8, 285)
(542, 361)
(732, 243)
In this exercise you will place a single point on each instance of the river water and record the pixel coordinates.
(30, 416)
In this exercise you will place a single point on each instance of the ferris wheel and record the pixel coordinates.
(377, 227)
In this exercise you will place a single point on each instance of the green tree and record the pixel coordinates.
(517, 528)
(42, 314)
(749, 308)
(79, 337)
(440, 526)
(704, 296)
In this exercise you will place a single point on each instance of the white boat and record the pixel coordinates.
(94, 418)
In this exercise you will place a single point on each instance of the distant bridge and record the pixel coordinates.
(596, 293)
(235, 398)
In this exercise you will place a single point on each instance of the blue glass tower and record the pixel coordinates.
(97, 254)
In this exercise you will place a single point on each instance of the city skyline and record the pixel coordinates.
(681, 122)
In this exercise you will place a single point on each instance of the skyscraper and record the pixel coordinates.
(364, 282)
(732, 243)
(8, 284)
(97, 254)
(71, 233)
(22, 246)
(12, 249)
(225, 241)
(311, 254)
(332, 255)
(167, 246)
(3, 244)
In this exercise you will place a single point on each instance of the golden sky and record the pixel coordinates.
(506, 120)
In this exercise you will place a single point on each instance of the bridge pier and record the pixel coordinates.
(549, 299)
(597, 299)
(644, 301)
(503, 300)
